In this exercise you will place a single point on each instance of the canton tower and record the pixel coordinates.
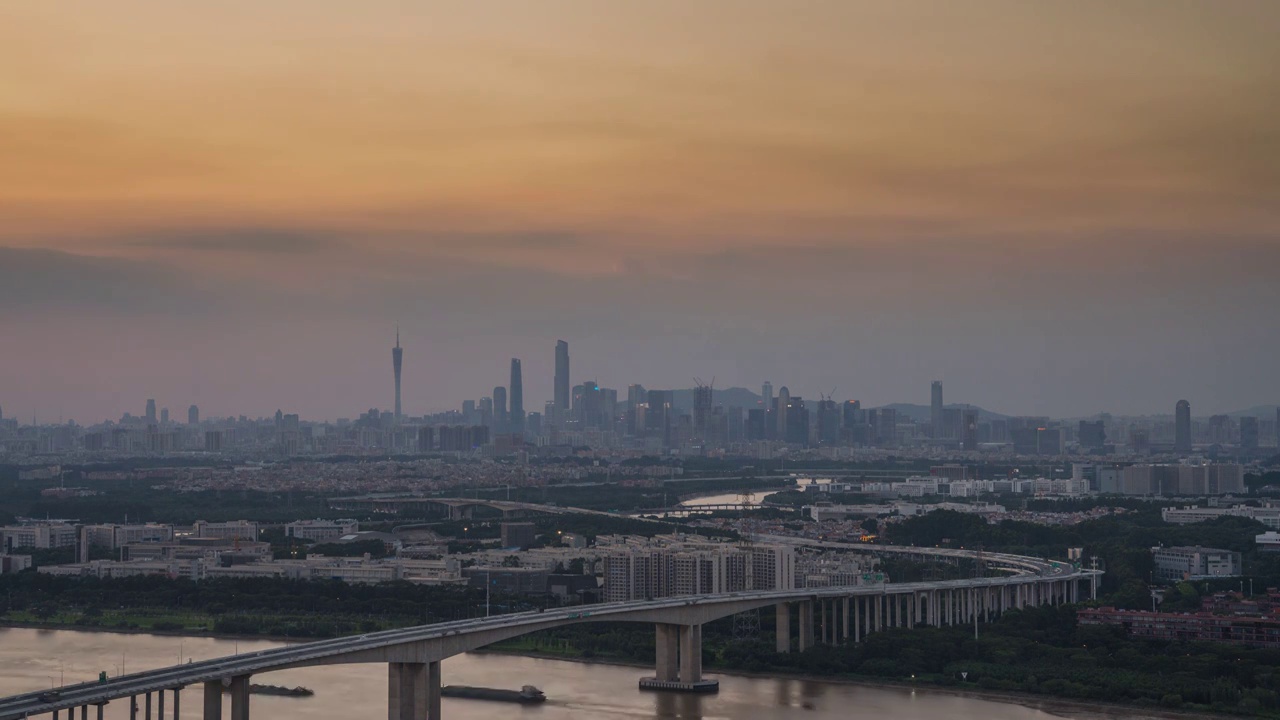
(397, 358)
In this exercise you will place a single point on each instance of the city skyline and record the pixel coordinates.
(1055, 210)
(498, 398)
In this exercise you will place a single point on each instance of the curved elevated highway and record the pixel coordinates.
(413, 655)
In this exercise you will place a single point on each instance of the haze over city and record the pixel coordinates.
(1055, 209)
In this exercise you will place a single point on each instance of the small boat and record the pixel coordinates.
(527, 695)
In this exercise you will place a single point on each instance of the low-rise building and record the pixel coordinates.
(320, 530)
(1173, 564)
(14, 563)
(1255, 631)
(38, 535)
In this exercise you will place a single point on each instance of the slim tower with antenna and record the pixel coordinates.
(397, 359)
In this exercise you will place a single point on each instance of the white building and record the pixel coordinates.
(321, 530)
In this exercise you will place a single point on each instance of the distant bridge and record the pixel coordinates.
(413, 655)
(455, 508)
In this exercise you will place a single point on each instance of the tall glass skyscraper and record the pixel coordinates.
(1182, 427)
(516, 417)
(561, 398)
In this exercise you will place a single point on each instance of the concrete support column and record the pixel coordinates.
(160, 705)
(806, 625)
(845, 626)
(691, 653)
(857, 619)
(84, 712)
(824, 623)
(433, 691)
(147, 714)
(783, 627)
(406, 691)
(100, 706)
(133, 707)
(213, 700)
(668, 652)
(177, 703)
(240, 697)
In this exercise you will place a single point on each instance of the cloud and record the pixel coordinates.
(273, 241)
(35, 281)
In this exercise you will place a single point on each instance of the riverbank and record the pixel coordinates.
(1068, 708)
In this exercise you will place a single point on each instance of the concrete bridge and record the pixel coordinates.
(413, 655)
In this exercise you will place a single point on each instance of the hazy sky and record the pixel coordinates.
(1055, 208)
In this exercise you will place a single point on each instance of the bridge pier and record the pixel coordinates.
(213, 700)
(668, 652)
(782, 625)
(177, 703)
(147, 715)
(690, 653)
(680, 670)
(240, 697)
(806, 625)
(413, 691)
(844, 602)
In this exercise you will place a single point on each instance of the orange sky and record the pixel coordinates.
(607, 139)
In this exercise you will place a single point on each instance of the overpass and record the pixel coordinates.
(414, 655)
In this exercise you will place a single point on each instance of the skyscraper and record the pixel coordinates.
(1248, 433)
(151, 410)
(164, 416)
(784, 400)
(397, 358)
(193, 415)
(766, 396)
(935, 409)
(561, 398)
(516, 418)
(500, 418)
(702, 400)
(1182, 427)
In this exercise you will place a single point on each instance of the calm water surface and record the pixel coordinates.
(35, 659)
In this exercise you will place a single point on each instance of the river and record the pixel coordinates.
(36, 659)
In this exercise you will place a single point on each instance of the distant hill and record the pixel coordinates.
(922, 413)
(1260, 411)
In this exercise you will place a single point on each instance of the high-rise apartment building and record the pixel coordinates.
(397, 360)
(516, 417)
(1092, 434)
(193, 415)
(935, 408)
(1248, 433)
(969, 429)
(501, 418)
(1182, 427)
(828, 422)
(702, 401)
(561, 398)
(766, 396)
(151, 411)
